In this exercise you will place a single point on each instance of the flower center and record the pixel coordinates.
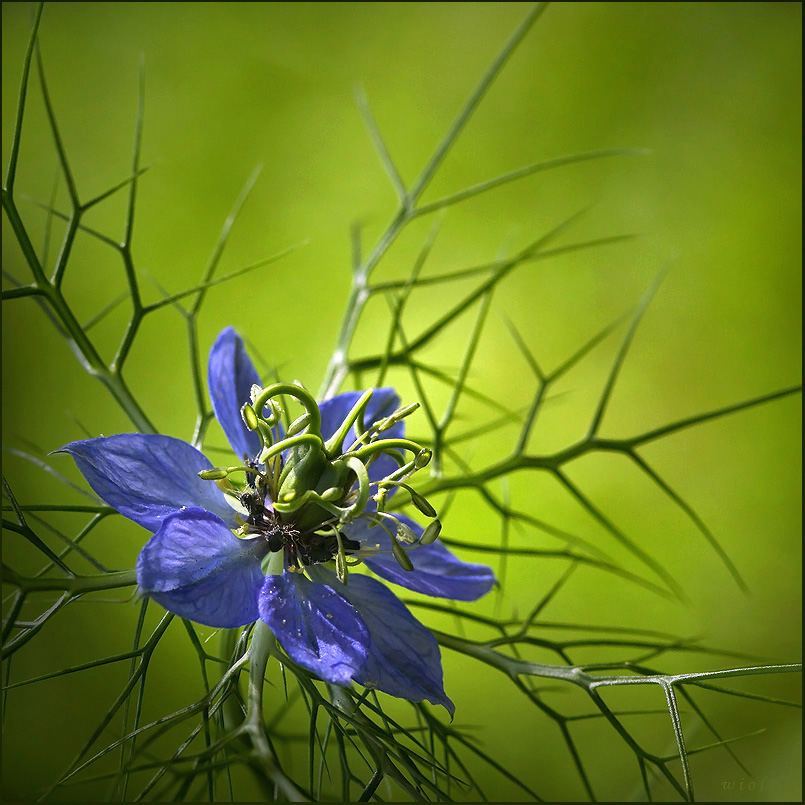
(301, 489)
(300, 548)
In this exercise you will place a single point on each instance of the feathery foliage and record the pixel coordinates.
(361, 746)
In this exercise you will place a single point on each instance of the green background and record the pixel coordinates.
(713, 90)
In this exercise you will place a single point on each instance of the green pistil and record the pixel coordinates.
(335, 443)
(312, 484)
(290, 390)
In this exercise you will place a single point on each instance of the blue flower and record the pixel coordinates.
(225, 554)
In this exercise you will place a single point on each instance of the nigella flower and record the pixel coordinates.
(274, 536)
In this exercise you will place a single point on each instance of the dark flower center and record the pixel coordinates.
(305, 548)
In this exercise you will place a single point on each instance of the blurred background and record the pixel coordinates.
(713, 90)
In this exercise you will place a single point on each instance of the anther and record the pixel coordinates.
(299, 424)
(249, 417)
(431, 533)
(423, 458)
(405, 534)
(341, 569)
(214, 474)
(217, 473)
(401, 556)
(380, 498)
(418, 500)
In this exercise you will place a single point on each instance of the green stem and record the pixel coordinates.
(226, 648)
(338, 365)
(75, 585)
(79, 342)
(261, 648)
(93, 363)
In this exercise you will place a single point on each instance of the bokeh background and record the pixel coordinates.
(712, 89)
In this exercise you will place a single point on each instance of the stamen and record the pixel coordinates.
(298, 425)
(431, 533)
(418, 500)
(341, 569)
(401, 556)
(380, 498)
(301, 522)
(227, 487)
(405, 534)
(249, 417)
(417, 463)
(384, 445)
(217, 473)
(362, 499)
(385, 424)
(376, 519)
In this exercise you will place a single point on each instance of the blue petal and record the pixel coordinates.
(404, 658)
(194, 566)
(147, 477)
(231, 375)
(384, 401)
(437, 571)
(316, 626)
